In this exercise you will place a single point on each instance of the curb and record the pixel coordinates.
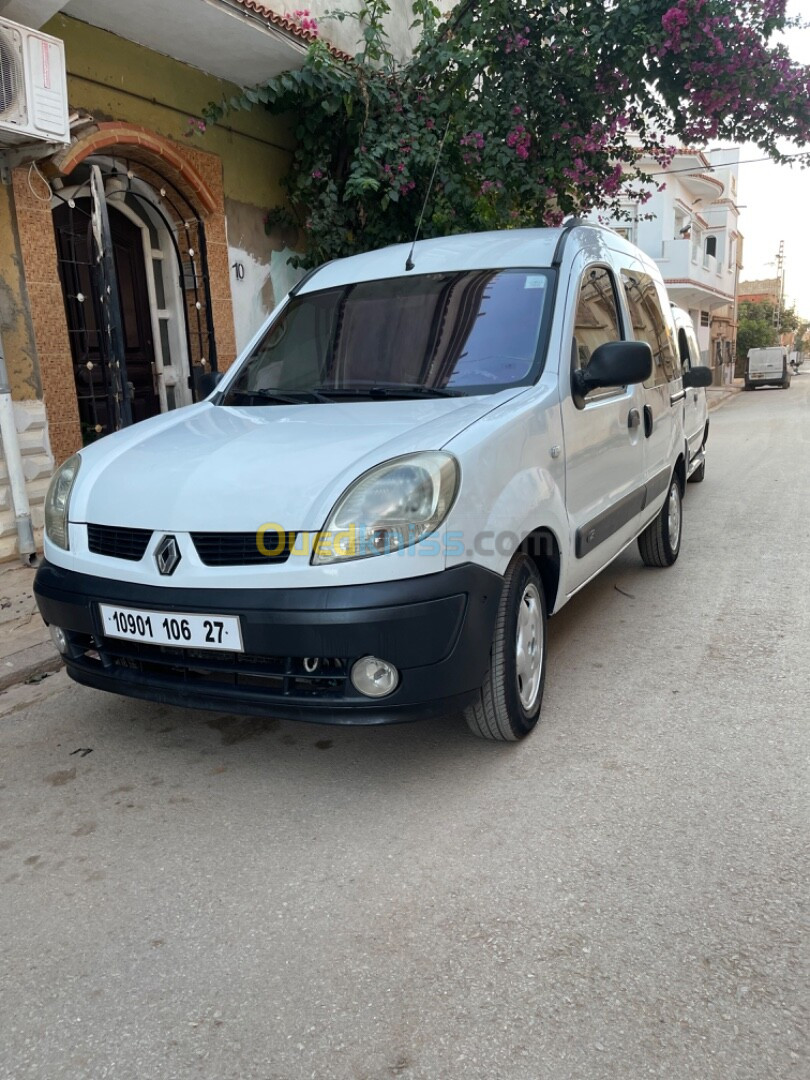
(26, 665)
(716, 400)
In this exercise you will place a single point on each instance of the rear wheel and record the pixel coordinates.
(660, 542)
(508, 704)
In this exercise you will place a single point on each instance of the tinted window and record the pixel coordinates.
(597, 319)
(465, 332)
(688, 348)
(650, 325)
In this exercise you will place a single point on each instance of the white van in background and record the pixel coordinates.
(767, 367)
(695, 406)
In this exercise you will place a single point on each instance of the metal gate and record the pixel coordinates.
(97, 327)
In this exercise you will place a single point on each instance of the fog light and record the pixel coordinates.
(374, 677)
(59, 638)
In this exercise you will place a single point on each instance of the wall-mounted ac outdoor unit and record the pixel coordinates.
(33, 87)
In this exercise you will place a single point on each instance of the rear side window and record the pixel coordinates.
(650, 325)
(596, 321)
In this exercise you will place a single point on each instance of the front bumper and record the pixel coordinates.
(436, 629)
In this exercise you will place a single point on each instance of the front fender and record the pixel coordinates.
(512, 483)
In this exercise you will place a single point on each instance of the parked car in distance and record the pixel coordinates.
(695, 406)
(767, 367)
(421, 454)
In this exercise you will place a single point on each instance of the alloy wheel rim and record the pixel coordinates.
(529, 647)
(674, 517)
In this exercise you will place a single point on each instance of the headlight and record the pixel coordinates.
(389, 508)
(57, 502)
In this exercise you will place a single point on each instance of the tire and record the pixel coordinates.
(508, 703)
(660, 542)
(699, 474)
(748, 385)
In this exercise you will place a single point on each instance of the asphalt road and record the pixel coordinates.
(621, 896)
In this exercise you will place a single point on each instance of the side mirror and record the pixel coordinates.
(616, 363)
(697, 376)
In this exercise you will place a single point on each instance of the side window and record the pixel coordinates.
(694, 348)
(683, 349)
(650, 325)
(596, 321)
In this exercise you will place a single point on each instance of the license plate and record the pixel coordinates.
(185, 631)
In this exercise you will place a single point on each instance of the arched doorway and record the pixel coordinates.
(157, 242)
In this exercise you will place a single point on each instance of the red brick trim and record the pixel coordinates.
(117, 133)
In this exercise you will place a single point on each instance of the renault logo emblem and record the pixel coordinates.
(167, 556)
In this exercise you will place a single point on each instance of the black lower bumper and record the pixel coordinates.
(437, 630)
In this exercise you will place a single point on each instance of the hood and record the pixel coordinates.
(212, 468)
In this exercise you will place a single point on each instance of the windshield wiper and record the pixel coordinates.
(284, 397)
(390, 390)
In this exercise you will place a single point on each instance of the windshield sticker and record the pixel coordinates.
(534, 281)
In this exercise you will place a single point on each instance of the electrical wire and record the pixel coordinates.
(729, 164)
(33, 167)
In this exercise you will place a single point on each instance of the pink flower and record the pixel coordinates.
(305, 20)
(519, 140)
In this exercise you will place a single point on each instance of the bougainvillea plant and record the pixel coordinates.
(544, 106)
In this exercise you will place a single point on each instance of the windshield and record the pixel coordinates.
(431, 334)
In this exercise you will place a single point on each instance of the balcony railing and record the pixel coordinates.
(685, 260)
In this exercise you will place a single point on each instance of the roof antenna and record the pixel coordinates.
(409, 263)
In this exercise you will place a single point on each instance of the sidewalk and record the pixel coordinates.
(717, 395)
(26, 649)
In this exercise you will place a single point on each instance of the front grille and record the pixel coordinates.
(242, 548)
(274, 676)
(118, 543)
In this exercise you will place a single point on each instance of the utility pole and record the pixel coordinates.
(780, 287)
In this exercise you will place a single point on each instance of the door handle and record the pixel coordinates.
(633, 419)
(648, 421)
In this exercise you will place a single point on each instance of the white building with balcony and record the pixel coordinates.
(691, 230)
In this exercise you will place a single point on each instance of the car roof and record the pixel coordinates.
(503, 249)
(466, 251)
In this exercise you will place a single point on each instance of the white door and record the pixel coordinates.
(663, 391)
(695, 409)
(604, 437)
(166, 301)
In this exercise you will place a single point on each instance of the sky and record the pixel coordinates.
(775, 203)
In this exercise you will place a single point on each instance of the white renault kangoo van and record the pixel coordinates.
(767, 367)
(420, 456)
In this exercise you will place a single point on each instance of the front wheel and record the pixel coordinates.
(508, 704)
(660, 542)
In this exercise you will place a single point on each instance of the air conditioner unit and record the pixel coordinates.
(33, 87)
